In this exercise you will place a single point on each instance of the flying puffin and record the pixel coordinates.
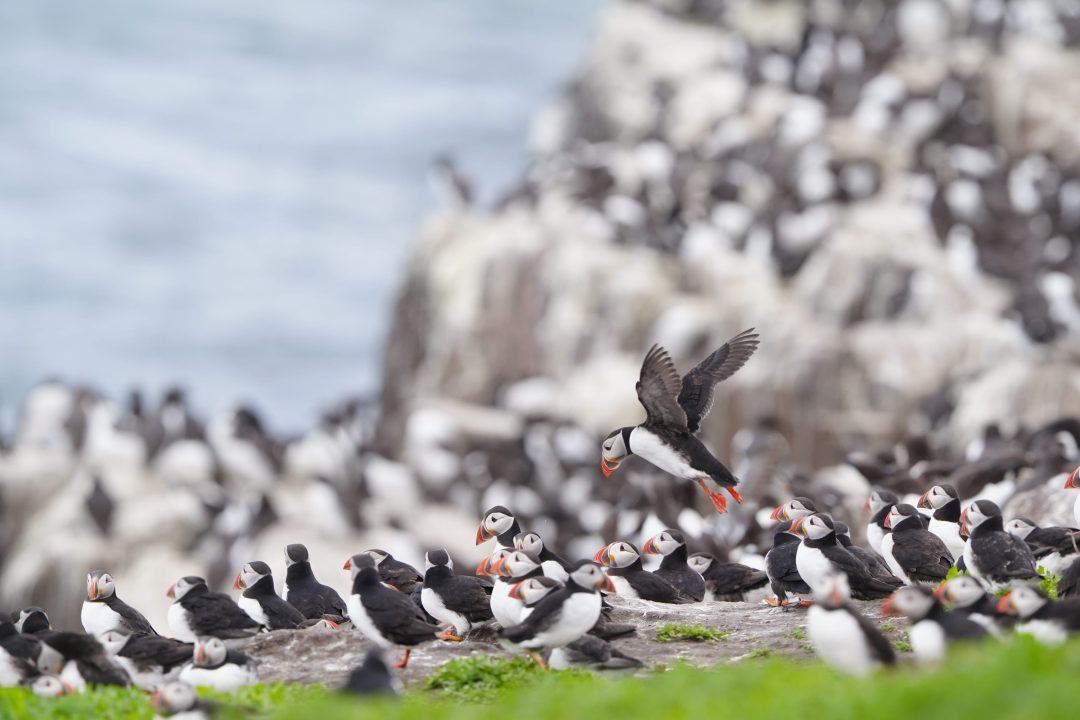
(554, 566)
(399, 575)
(179, 700)
(301, 590)
(217, 667)
(994, 557)
(820, 554)
(260, 601)
(964, 595)
(196, 612)
(878, 504)
(149, 660)
(563, 616)
(512, 568)
(675, 409)
(944, 503)
(1047, 621)
(841, 635)
(780, 566)
(726, 582)
(103, 610)
(372, 677)
(460, 601)
(498, 523)
(932, 627)
(671, 545)
(384, 615)
(1054, 548)
(631, 580)
(915, 555)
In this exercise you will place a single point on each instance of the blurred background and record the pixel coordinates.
(347, 274)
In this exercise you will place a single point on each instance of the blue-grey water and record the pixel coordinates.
(222, 194)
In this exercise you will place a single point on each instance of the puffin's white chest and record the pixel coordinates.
(178, 623)
(839, 641)
(254, 610)
(360, 618)
(887, 543)
(1045, 632)
(97, 618)
(949, 532)
(650, 447)
(226, 678)
(874, 535)
(555, 571)
(150, 679)
(1076, 510)
(927, 641)
(436, 608)
(623, 588)
(577, 616)
(813, 566)
(507, 610)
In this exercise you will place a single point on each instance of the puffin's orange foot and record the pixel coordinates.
(404, 661)
(773, 601)
(448, 635)
(735, 494)
(718, 502)
(805, 603)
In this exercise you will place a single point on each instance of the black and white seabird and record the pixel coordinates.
(820, 555)
(726, 582)
(149, 660)
(1054, 548)
(179, 700)
(964, 595)
(875, 564)
(103, 610)
(1047, 621)
(460, 601)
(29, 649)
(944, 504)
(215, 666)
(532, 590)
(591, 652)
(675, 409)
(261, 602)
(301, 590)
(1073, 483)
(399, 575)
(498, 523)
(32, 621)
(48, 686)
(994, 557)
(842, 636)
(554, 566)
(85, 661)
(564, 615)
(780, 566)
(18, 656)
(372, 677)
(630, 579)
(385, 616)
(878, 504)
(196, 612)
(915, 555)
(932, 627)
(510, 569)
(671, 545)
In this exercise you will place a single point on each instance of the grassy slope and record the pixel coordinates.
(1015, 680)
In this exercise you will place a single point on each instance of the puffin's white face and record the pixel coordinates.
(909, 601)
(934, 498)
(530, 542)
(811, 527)
(662, 543)
(791, 510)
(496, 523)
(591, 576)
(1019, 527)
(247, 577)
(877, 501)
(182, 587)
(1022, 602)
(113, 641)
(895, 517)
(613, 451)
(49, 686)
(531, 591)
(99, 586)
(176, 697)
(971, 518)
(618, 555)
(49, 660)
(209, 652)
(518, 563)
(490, 564)
(834, 591)
(962, 591)
(700, 562)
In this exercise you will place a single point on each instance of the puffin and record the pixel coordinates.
(780, 565)
(726, 582)
(260, 601)
(842, 636)
(944, 504)
(498, 523)
(215, 666)
(992, 556)
(964, 595)
(875, 564)
(149, 660)
(85, 661)
(554, 566)
(460, 601)
(593, 653)
(398, 575)
(372, 677)
(301, 590)
(179, 700)
(48, 686)
(878, 504)
(512, 568)
(1054, 548)
(196, 612)
(671, 545)
(530, 591)
(33, 621)
(103, 610)
(631, 580)
(674, 410)
(932, 627)
(563, 616)
(1073, 483)
(385, 616)
(18, 656)
(1047, 621)
(915, 555)
(820, 554)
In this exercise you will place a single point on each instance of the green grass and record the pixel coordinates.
(953, 572)
(673, 632)
(798, 633)
(902, 646)
(1015, 679)
(1049, 582)
(888, 627)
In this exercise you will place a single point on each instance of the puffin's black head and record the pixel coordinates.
(818, 526)
(700, 562)
(377, 555)
(362, 566)
(664, 542)
(174, 698)
(981, 514)
(938, 496)
(295, 553)
(588, 575)
(32, 620)
(616, 447)
(618, 554)
(1020, 527)
(99, 586)
(185, 585)
(902, 517)
(912, 602)
(497, 521)
(530, 542)
(1022, 602)
(794, 509)
(879, 498)
(250, 574)
(438, 558)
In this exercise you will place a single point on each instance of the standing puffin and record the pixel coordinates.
(372, 677)
(1047, 621)
(196, 612)
(878, 504)
(675, 409)
(630, 579)
(1054, 548)
(780, 566)
(945, 517)
(385, 616)
(874, 563)
(994, 557)
(932, 627)
(301, 590)
(554, 566)
(215, 666)
(915, 555)
(260, 601)
(103, 610)
(150, 660)
(820, 554)
(841, 635)
(498, 523)
(671, 544)
(460, 601)
(511, 569)
(398, 575)
(726, 582)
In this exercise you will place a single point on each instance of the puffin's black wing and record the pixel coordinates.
(958, 626)
(730, 579)
(696, 395)
(782, 571)
(466, 595)
(685, 580)
(134, 619)
(544, 614)
(922, 555)
(397, 616)
(650, 586)
(150, 650)
(863, 585)
(658, 388)
(280, 615)
(216, 614)
(1009, 556)
(400, 575)
(879, 644)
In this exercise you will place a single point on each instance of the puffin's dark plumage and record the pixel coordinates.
(623, 562)
(992, 555)
(260, 600)
(372, 677)
(671, 544)
(460, 600)
(396, 574)
(384, 615)
(313, 599)
(103, 609)
(820, 552)
(196, 612)
(914, 555)
(91, 661)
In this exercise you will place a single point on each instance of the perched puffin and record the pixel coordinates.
(915, 555)
(498, 523)
(530, 591)
(32, 621)
(301, 590)
(964, 595)
(726, 582)
(1047, 621)
(460, 601)
(932, 627)
(149, 660)
(196, 612)
(372, 677)
(1054, 548)
(631, 580)
(591, 652)
(103, 610)
(260, 601)
(18, 656)
(1073, 483)
(671, 544)
(554, 566)
(780, 566)
(384, 615)
(48, 686)
(217, 667)
(564, 615)
(875, 564)
(675, 409)
(878, 504)
(85, 661)
(820, 554)
(994, 557)
(511, 569)
(944, 503)
(841, 635)
(180, 701)
(399, 575)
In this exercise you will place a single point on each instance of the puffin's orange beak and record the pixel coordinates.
(599, 556)
(497, 567)
(1073, 481)
(606, 468)
(606, 585)
(964, 532)
(888, 521)
(776, 514)
(924, 500)
(866, 505)
(515, 592)
(649, 548)
(836, 598)
(796, 527)
(482, 568)
(171, 592)
(941, 592)
(347, 565)
(887, 607)
(1005, 605)
(200, 655)
(92, 591)
(238, 583)
(482, 535)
